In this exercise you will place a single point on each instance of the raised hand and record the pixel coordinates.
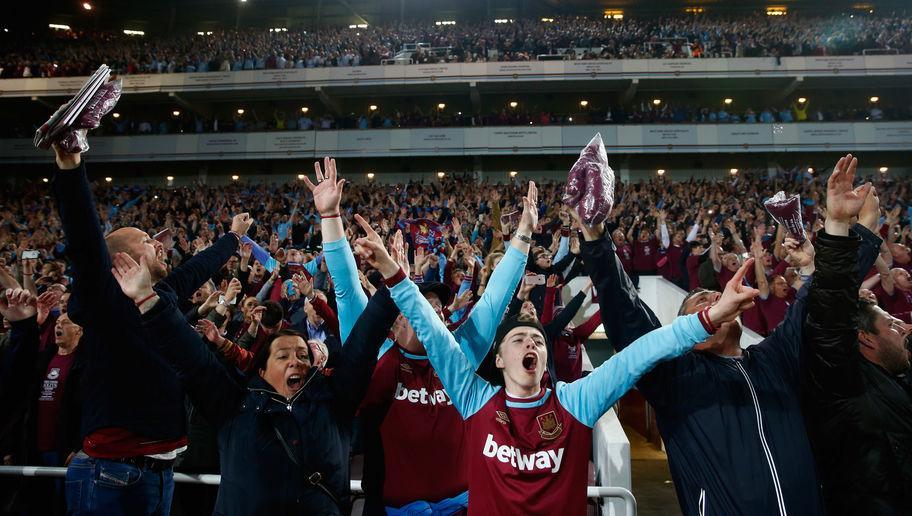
(400, 252)
(46, 302)
(304, 285)
(371, 248)
(245, 251)
(843, 200)
(134, 278)
(240, 224)
(869, 216)
(327, 192)
(210, 331)
(461, 301)
(552, 281)
(529, 219)
(17, 304)
(736, 298)
(799, 255)
(232, 290)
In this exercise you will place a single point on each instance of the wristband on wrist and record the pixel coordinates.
(523, 238)
(330, 216)
(143, 300)
(707, 323)
(395, 279)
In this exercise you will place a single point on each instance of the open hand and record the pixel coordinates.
(327, 192)
(529, 219)
(371, 248)
(17, 304)
(134, 278)
(843, 200)
(736, 298)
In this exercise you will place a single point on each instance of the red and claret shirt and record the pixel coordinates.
(568, 346)
(625, 255)
(645, 255)
(774, 308)
(421, 430)
(671, 269)
(693, 271)
(531, 456)
(49, 400)
(899, 302)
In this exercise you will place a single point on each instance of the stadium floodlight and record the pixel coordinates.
(571, 119)
(441, 106)
(660, 171)
(207, 33)
(547, 20)
(776, 11)
(513, 173)
(874, 99)
(373, 107)
(445, 22)
(358, 26)
(802, 100)
(503, 20)
(513, 103)
(116, 115)
(87, 6)
(44, 180)
(614, 14)
(235, 177)
(240, 111)
(131, 32)
(656, 102)
(883, 170)
(441, 174)
(584, 103)
(301, 176)
(108, 179)
(810, 170)
(58, 26)
(170, 178)
(733, 171)
(176, 113)
(305, 109)
(370, 175)
(728, 101)
(5, 29)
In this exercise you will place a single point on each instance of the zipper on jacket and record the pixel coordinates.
(701, 503)
(766, 450)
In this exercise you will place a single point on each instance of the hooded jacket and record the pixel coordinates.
(733, 427)
(258, 474)
(859, 414)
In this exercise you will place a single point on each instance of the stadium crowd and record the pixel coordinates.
(640, 113)
(317, 302)
(70, 53)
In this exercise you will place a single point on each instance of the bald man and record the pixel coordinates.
(133, 420)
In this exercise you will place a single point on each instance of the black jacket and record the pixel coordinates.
(258, 476)
(125, 383)
(859, 415)
(733, 427)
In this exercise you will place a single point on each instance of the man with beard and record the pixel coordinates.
(858, 403)
(730, 417)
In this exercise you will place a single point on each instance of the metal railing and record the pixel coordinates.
(214, 480)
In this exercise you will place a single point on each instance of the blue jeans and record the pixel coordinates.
(100, 486)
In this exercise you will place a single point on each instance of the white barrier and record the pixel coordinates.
(627, 501)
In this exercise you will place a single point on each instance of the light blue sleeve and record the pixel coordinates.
(466, 285)
(590, 397)
(441, 267)
(311, 267)
(350, 297)
(476, 335)
(264, 290)
(386, 346)
(468, 391)
(563, 249)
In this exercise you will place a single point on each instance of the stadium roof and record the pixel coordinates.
(166, 15)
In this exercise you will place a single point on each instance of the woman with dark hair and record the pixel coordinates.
(283, 436)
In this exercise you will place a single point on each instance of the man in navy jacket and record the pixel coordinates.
(731, 418)
(133, 419)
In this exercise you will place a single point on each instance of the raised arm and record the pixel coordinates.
(467, 390)
(207, 383)
(350, 297)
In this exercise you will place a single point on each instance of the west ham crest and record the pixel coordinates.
(548, 426)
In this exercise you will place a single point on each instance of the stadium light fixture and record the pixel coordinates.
(441, 174)
(116, 115)
(170, 178)
(243, 1)
(58, 26)
(656, 102)
(728, 101)
(305, 109)
(660, 171)
(207, 33)
(240, 111)
(373, 107)
(44, 180)
(584, 103)
(108, 179)
(5, 29)
(87, 6)
(547, 20)
(441, 106)
(802, 100)
(570, 119)
(445, 22)
(131, 32)
(883, 170)
(370, 175)
(503, 20)
(358, 26)
(810, 170)
(176, 113)
(301, 176)
(694, 10)
(733, 171)
(513, 104)
(513, 173)
(776, 11)
(235, 177)
(614, 14)
(874, 99)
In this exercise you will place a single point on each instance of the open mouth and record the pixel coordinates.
(294, 382)
(530, 362)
